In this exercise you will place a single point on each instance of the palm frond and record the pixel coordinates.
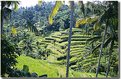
(97, 26)
(82, 7)
(54, 11)
(87, 20)
(107, 41)
(97, 47)
(16, 5)
(39, 2)
(93, 39)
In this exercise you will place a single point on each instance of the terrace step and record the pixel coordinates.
(77, 49)
(78, 39)
(78, 46)
(57, 48)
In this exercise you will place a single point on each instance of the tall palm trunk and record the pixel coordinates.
(2, 17)
(109, 60)
(2, 22)
(70, 34)
(100, 54)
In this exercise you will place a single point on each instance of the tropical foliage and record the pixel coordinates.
(52, 39)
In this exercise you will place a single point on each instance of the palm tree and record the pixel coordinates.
(109, 40)
(110, 19)
(100, 54)
(53, 13)
(109, 60)
(70, 34)
(110, 23)
(104, 18)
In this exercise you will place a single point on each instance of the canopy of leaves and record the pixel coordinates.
(8, 55)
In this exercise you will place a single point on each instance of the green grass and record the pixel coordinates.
(75, 29)
(52, 70)
(78, 46)
(72, 43)
(76, 49)
(61, 45)
(57, 48)
(56, 33)
(54, 50)
(47, 41)
(48, 38)
(77, 55)
(53, 39)
(85, 75)
(39, 66)
(57, 42)
(54, 36)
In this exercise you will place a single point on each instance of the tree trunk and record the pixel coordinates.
(100, 54)
(2, 19)
(1, 23)
(109, 60)
(70, 34)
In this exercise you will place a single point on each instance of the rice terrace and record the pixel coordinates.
(59, 39)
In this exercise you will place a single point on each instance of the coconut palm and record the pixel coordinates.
(70, 34)
(105, 24)
(110, 35)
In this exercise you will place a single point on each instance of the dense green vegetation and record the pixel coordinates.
(38, 41)
(43, 67)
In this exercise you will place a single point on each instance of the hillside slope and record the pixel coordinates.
(57, 42)
(52, 70)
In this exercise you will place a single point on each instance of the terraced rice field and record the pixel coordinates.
(57, 42)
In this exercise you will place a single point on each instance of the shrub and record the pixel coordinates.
(8, 55)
